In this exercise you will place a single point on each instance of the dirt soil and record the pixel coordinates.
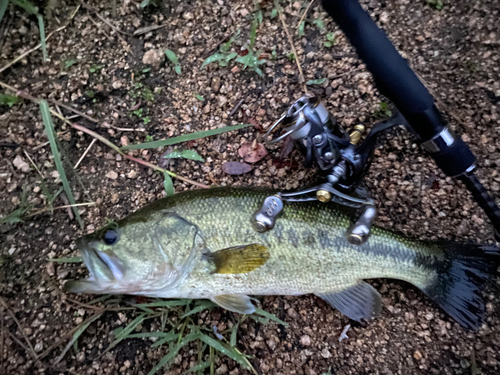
(108, 75)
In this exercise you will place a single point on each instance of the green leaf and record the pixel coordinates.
(67, 260)
(68, 63)
(95, 68)
(9, 100)
(202, 306)
(270, 316)
(145, 3)
(191, 154)
(177, 69)
(171, 56)
(226, 46)
(199, 97)
(13, 218)
(328, 44)
(253, 34)
(274, 13)
(3, 8)
(300, 31)
(184, 138)
(199, 367)
(259, 16)
(230, 352)
(173, 155)
(319, 24)
(210, 59)
(259, 319)
(173, 352)
(168, 184)
(26, 5)
(318, 81)
(234, 335)
(49, 130)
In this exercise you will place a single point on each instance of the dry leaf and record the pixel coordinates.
(286, 148)
(235, 167)
(252, 152)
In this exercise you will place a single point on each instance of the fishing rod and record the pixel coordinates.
(339, 154)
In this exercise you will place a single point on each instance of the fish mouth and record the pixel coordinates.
(101, 273)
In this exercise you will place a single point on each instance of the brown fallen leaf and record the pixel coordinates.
(286, 148)
(235, 167)
(252, 152)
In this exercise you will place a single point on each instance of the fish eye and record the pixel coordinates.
(110, 237)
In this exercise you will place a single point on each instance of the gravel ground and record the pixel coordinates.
(109, 74)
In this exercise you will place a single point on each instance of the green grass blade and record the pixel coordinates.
(126, 331)
(143, 335)
(185, 138)
(203, 306)
(49, 129)
(42, 38)
(259, 319)
(230, 352)
(171, 303)
(3, 8)
(210, 59)
(168, 184)
(77, 334)
(26, 5)
(67, 260)
(169, 337)
(13, 218)
(318, 81)
(234, 335)
(199, 367)
(173, 352)
(270, 316)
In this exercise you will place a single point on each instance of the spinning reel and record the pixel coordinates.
(336, 153)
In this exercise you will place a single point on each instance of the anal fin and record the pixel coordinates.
(360, 301)
(239, 303)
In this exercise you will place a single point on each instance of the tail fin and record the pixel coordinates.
(461, 276)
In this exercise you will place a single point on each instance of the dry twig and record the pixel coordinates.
(25, 95)
(305, 13)
(69, 108)
(85, 153)
(20, 327)
(302, 79)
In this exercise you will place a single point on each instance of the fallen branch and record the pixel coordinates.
(305, 14)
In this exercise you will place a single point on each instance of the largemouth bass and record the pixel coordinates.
(201, 244)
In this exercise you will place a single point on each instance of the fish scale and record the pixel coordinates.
(171, 248)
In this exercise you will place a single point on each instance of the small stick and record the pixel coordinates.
(60, 207)
(97, 308)
(236, 107)
(31, 350)
(107, 22)
(99, 27)
(42, 145)
(19, 342)
(139, 161)
(305, 13)
(31, 50)
(69, 108)
(347, 73)
(282, 18)
(32, 162)
(85, 153)
(102, 139)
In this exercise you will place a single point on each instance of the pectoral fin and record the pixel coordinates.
(360, 301)
(239, 303)
(239, 259)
